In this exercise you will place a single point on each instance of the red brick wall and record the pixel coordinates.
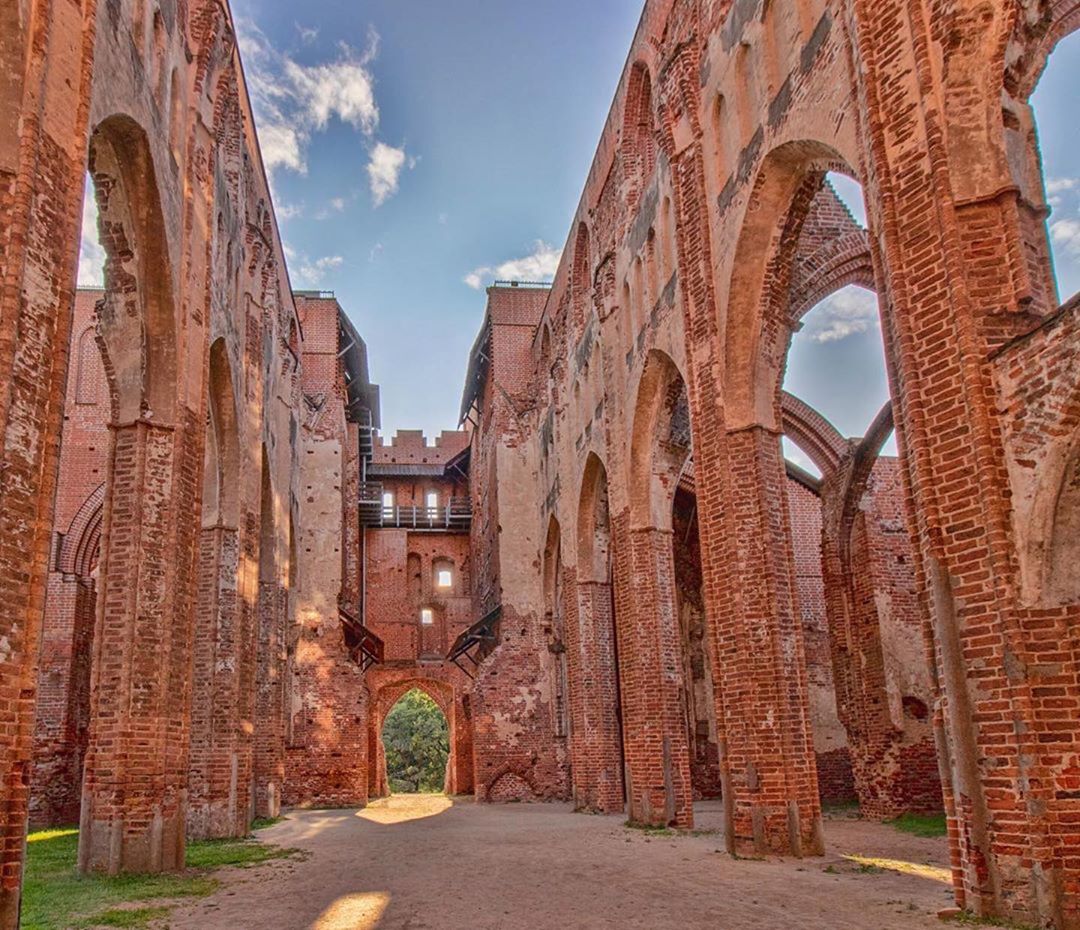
(64, 674)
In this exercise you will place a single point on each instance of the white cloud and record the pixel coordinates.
(384, 170)
(312, 273)
(376, 251)
(293, 100)
(334, 205)
(1065, 234)
(444, 218)
(308, 34)
(846, 313)
(1060, 185)
(539, 265)
(91, 252)
(288, 211)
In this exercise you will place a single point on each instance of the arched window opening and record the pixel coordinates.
(836, 360)
(1063, 581)
(775, 46)
(639, 129)
(90, 373)
(581, 282)
(1054, 111)
(721, 135)
(443, 574)
(836, 364)
(416, 742)
(91, 251)
(554, 628)
(176, 116)
(747, 104)
(652, 269)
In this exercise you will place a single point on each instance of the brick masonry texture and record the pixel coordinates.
(188, 547)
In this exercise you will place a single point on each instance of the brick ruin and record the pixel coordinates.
(219, 577)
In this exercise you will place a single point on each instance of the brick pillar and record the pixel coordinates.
(963, 277)
(596, 732)
(650, 659)
(63, 703)
(862, 701)
(41, 167)
(761, 694)
(269, 700)
(135, 784)
(219, 778)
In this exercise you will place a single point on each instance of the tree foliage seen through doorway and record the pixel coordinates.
(416, 738)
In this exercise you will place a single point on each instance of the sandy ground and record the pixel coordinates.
(426, 863)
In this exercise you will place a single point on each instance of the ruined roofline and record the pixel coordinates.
(607, 145)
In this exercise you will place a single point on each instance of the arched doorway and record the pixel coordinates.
(416, 745)
(388, 690)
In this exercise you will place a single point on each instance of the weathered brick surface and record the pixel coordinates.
(703, 234)
(706, 196)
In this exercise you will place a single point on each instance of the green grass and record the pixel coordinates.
(966, 918)
(924, 825)
(57, 897)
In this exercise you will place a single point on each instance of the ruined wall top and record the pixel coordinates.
(411, 446)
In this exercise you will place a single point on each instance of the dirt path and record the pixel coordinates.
(424, 863)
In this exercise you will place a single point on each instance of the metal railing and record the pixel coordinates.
(454, 515)
(365, 648)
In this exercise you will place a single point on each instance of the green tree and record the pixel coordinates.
(416, 738)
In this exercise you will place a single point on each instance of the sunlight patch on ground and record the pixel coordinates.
(932, 872)
(361, 911)
(404, 807)
(42, 835)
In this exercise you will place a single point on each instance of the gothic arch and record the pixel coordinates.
(812, 433)
(593, 524)
(81, 544)
(137, 314)
(755, 332)
(638, 143)
(660, 441)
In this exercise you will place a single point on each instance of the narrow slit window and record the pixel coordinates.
(427, 617)
(433, 500)
(444, 578)
(388, 502)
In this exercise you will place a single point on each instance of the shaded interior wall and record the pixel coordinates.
(882, 529)
(63, 704)
(835, 781)
(326, 757)
(518, 754)
(697, 670)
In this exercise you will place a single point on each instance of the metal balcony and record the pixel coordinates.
(455, 516)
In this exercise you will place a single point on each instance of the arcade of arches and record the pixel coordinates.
(218, 577)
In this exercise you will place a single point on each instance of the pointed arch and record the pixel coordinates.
(137, 315)
(660, 444)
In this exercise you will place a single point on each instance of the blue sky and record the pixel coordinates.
(419, 149)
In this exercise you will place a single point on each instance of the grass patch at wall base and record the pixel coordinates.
(57, 897)
(926, 826)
